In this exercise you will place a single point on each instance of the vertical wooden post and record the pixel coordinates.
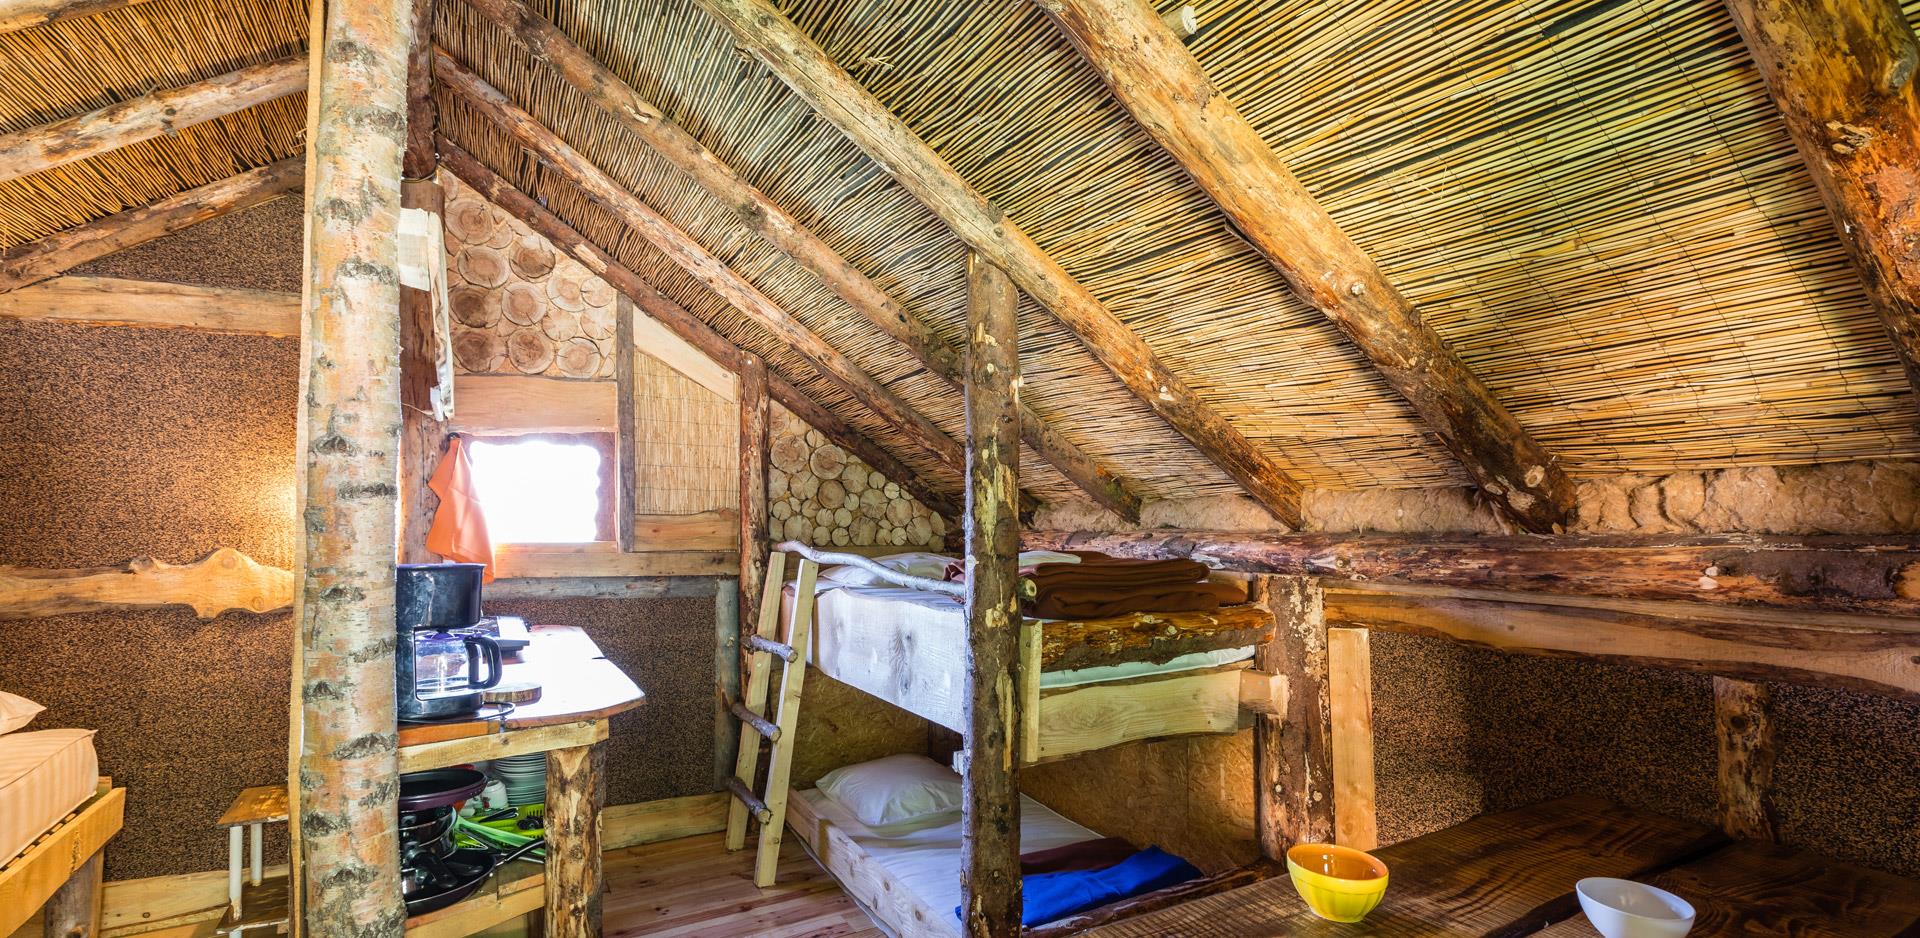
(990, 856)
(349, 434)
(422, 436)
(1350, 712)
(73, 911)
(753, 484)
(1743, 726)
(1292, 758)
(726, 678)
(626, 442)
(576, 791)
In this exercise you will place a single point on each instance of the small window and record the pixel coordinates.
(546, 489)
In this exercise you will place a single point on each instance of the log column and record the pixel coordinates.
(990, 855)
(1842, 74)
(753, 485)
(576, 791)
(73, 911)
(423, 437)
(1293, 754)
(1743, 727)
(349, 435)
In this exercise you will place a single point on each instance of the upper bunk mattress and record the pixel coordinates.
(44, 775)
(924, 863)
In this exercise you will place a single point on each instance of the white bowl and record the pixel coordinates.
(1622, 908)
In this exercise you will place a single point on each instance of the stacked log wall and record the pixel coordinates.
(818, 493)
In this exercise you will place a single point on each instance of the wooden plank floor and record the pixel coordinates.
(694, 887)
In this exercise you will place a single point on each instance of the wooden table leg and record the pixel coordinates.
(576, 790)
(74, 909)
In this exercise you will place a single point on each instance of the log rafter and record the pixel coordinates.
(793, 57)
(1153, 75)
(767, 218)
(23, 14)
(1842, 74)
(686, 325)
(63, 250)
(147, 116)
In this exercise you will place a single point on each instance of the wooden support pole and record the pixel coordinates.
(763, 32)
(1292, 755)
(160, 112)
(423, 437)
(754, 541)
(627, 435)
(59, 252)
(350, 422)
(1156, 78)
(1865, 574)
(24, 14)
(990, 850)
(1842, 74)
(766, 218)
(681, 248)
(684, 324)
(1743, 727)
(74, 909)
(1350, 716)
(576, 791)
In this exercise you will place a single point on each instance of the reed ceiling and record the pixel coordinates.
(1593, 202)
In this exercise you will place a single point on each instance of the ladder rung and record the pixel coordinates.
(764, 726)
(780, 650)
(755, 806)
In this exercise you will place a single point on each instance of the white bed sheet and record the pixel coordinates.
(44, 775)
(835, 605)
(926, 861)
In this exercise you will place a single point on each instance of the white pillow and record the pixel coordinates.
(931, 566)
(1032, 558)
(894, 790)
(16, 711)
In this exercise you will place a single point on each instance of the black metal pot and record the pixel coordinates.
(437, 595)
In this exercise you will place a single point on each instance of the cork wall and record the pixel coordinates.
(1461, 731)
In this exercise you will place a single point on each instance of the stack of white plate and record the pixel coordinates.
(525, 777)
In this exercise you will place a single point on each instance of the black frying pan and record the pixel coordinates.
(459, 875)
(439, 788)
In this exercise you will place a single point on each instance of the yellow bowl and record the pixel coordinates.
(1340, 884)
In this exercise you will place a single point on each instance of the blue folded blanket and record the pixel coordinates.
(1050, 896)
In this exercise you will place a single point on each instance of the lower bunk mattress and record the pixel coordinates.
(44, 776)
(910, 880)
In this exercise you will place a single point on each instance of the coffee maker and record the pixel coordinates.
(440, 660)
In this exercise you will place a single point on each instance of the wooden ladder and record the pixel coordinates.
(771, 811)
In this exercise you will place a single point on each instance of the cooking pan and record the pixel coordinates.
(456, 877)
(439, 788)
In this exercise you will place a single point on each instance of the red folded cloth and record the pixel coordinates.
(1085, 855)
(1101, 603)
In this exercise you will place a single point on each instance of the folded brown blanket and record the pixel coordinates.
(1085, 855)
(1097, 570)
(1101, 603)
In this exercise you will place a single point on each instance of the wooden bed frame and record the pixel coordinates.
(925, 675)
(902, 912)
(61, 871)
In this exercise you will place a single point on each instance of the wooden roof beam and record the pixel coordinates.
(1163, 86)
(685, 324)
(695, 259)
(1842, 74)
(148, 116)
(766, 218)
(21, 14)
(833, 94)
(64, 250)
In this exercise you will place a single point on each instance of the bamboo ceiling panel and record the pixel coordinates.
(684, 63)
(1596, 204)
(79, 65)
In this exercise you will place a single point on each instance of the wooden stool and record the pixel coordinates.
(265, 906)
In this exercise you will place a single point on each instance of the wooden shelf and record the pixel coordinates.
(512, 891)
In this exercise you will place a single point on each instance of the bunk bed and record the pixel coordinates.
(1086, 684)
(56, 815)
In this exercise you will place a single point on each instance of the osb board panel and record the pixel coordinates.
(841, 726)
(122, 442)
(519, 306)
(252, 249)
(663, 749)
(686, 443)
(818, 493)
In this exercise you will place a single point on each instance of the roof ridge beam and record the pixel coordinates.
(21, 14)
(150, 115)
(63, 250)
(1842, 75)
(774, 224)
(887, 140)
(684, 323)
(682, 249)
(1160, 82)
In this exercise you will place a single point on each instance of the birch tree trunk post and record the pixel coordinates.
(990, 853)
(1292, 752)
(349, 434)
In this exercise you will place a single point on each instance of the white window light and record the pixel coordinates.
(538, 491)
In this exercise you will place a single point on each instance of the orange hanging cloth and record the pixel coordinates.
(459, 531)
